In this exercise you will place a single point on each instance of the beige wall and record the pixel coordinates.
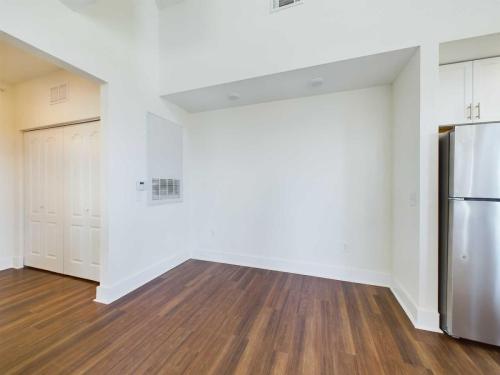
(32, 100)
(27, 106)
(8, 179)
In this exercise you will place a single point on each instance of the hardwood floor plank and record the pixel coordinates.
(209, 318)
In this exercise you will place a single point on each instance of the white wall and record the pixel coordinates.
(32, 100)
(301, 185)
(470, 49)
(428, 188)
(115, 41)
(8, 180)
(406, 167)
(212, 42)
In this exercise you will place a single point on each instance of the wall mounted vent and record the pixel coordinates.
(165, 188)
(58, 94)
(283, 4)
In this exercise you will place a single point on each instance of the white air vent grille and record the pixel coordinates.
(283, 4)
(165, 188)
(58, 94)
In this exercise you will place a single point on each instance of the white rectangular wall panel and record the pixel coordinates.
(164, 160)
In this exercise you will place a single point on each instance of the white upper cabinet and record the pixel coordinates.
(455, 94)
(487, 90)
(469, 92)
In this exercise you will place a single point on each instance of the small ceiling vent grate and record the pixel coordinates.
(58, 94)
(283, 4)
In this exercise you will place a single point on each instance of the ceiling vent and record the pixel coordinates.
(59, 94)
(283, 4)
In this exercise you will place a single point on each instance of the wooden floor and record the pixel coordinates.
(208, 318)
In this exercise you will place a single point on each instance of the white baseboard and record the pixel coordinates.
(355, 275)
(405, 300)
(18, 262)
(428, 320)
(11, 262)
(5, 263)
(424, 319)
(107, 294)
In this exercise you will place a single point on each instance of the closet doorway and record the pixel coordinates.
(62, 199)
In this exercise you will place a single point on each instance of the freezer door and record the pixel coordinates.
(475, 157)
(474, 273)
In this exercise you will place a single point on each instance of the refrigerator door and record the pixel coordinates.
(474, 271)
(475, 157)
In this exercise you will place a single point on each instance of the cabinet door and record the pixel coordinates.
(82, 201)
(455, 94)
(43, 199)
(487, 90)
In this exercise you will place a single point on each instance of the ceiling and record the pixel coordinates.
(344, 75)
(17, 65)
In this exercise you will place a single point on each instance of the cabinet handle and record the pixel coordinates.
(478, 107)
(469, 111)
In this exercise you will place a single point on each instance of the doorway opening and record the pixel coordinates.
(50, 148)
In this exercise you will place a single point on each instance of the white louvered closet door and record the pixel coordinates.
(43, 154)
(82, 224)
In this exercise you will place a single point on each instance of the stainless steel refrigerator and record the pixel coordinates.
(469, 298)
